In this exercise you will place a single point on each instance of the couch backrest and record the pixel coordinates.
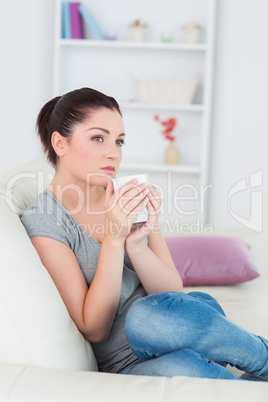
(36, 328)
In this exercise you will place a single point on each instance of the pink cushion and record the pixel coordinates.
(217, 260)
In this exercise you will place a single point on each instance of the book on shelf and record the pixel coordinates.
(72, 27)
(76, 21)
(89, 20)
(65, 21)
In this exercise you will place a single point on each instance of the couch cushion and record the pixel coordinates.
(36, 328)
(21, 184)
(212, 260)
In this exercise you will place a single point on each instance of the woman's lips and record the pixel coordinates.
(108, 169)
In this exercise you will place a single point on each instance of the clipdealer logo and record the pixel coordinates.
(255, 192)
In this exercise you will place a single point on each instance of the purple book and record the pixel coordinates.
(76, 22)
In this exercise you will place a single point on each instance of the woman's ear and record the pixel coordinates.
(58, 142)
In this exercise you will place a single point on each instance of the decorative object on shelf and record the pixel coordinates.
(172, 152)
(110, 35)
(192, 32)
(177, 91)
(166, 37)
(72, 27)
(89, 20)
(138, 30)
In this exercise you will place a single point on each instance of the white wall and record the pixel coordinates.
(240, 124)
(26, 51)
(240, 97)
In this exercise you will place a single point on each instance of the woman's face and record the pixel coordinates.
(95, 149)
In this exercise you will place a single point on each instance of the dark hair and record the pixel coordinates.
(62, 113)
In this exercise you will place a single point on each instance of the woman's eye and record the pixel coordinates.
(97, 138)
(120, 142)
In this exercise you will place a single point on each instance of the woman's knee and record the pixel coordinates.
(168, 301)
(208, 299)
(145, 316)
(155, 319)
(159, 306)
(170, 318)
(146, 308)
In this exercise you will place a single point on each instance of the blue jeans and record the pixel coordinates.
(178, 334)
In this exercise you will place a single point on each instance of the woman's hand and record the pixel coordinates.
(141, 230)
(122, 208)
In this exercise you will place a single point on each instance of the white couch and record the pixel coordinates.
(43, 357)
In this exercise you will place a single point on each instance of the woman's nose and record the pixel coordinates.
(112, 151)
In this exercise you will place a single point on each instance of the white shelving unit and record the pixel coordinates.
(109, 67)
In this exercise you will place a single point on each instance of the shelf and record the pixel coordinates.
(118, 60)
(162, 106)
(146, 167)
(132, 45)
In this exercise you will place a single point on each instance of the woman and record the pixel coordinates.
(117, 279)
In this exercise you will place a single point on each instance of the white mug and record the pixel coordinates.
(142, 178)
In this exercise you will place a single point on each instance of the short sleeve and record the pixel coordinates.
(45, 219)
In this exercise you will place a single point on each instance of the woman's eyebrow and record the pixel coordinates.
(105, 130)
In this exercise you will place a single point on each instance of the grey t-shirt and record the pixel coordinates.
(48, 217)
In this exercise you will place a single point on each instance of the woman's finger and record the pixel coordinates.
(155, 199)
(135, 211)
(155, 193)
(112, 200)
(130, 203)
(124, 189)
(109, 191)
